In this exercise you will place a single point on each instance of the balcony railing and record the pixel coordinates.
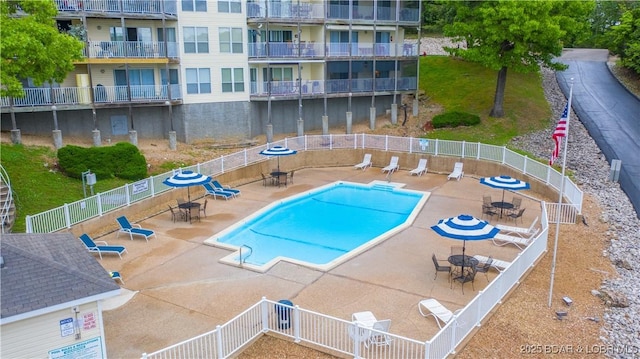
(119, 6)
(368, 49)
(101, 94)
(130, 49)
(318, 87)
(285, 11)
(316, 50)
(285, 49)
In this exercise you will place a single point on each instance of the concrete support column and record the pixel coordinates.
(416, 103)
(16, 137)
(349, 121)
(57, 139)
(372, 118)
(394, 113)
(133, 137)
(97, 141)
(300, 127)
(269, 133)
(325, 125)
(172, 140)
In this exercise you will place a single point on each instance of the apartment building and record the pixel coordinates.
(215, 69)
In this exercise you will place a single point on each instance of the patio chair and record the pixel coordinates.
(496, 264)
(217, 185)
(366, 162)
(516, 202)
(484, 266)
(467, 277)
(457, 172)
(211, 191)
(117, 276)
(291, 176)
(266, 179)
(177, 212)
(488, 211)
(521, 231)
(517, 215)
(203, 209)
(381, 337)
(421, 169)
(431, 307)
(133, 229)
(393, 165)
(93, 246)
(440, 268)
(518, 241)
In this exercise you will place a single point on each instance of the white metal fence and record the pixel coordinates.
(345, 337)
(95, 206)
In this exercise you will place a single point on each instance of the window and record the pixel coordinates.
(194, 5)
(232, 6)
(196, 40)
(198, 80)
(231, 40)
(232, 80)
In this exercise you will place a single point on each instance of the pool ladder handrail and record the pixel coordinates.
(242, 260)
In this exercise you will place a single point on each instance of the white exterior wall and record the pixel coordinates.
(214, 60)
(36, 337)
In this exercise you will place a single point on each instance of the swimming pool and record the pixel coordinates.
(322, 227)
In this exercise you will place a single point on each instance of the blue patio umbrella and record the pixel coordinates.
(187, 179)
(278, 151)
(505, 182)
(465, 227)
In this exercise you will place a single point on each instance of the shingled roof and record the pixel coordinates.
(45, 270)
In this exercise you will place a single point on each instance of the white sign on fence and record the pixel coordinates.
(139, 187)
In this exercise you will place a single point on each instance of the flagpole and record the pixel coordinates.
(559, 206)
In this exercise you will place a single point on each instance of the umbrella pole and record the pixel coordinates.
(464, 245)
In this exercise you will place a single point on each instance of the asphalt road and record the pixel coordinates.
(610, 113)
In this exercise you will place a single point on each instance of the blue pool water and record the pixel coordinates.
(321, 225)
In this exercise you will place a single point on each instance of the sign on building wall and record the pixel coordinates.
(88, 349)
(66, 327)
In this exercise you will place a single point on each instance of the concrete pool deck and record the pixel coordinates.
(181, 289)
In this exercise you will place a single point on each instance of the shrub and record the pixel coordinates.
(122, 160)
(455, 119)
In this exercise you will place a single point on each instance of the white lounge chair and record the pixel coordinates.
(393, 165)
(457, 172)
(521, 231)
(366, 162)
(421, 169)
(520, 242)
(431, 307)
(497, 264)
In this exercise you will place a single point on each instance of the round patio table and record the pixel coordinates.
(502, 206)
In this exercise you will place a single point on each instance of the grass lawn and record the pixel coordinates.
(38, 185)
(468, 87)
(456, 85)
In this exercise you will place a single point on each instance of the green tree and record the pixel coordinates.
(517, 35)
(32, 47)
(625, 39)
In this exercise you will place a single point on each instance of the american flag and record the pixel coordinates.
(558, 133)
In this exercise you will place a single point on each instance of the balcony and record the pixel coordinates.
(364, 49)
(130, 49)
(101, 94)
(368, 12)
(317, 87)
(117, 7)
(285, 11)
(285, 50)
